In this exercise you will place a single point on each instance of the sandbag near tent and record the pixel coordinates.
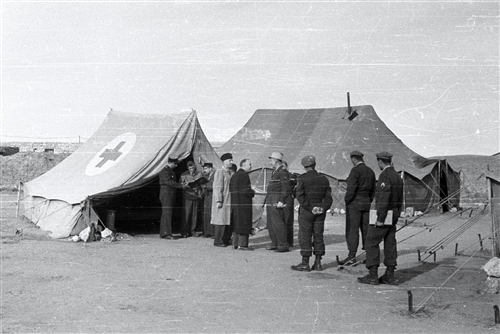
(331, 134)
(116, 168)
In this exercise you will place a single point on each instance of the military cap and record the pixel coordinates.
(226, 156)
(190, 163)
(356, 153)
(308, 160)
(384, 155)
(276, 155)
(208, 164)
(173, 159)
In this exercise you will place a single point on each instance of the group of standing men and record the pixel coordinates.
(228, 208)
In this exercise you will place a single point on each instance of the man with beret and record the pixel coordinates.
(191, 197)
(221, 203)
(388, 197)
(168, 186)
(241, 205)
(314, 195)
(358, 199)
(278, 193)
(208, 173)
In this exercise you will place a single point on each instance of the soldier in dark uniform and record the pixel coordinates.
(208, 173)
(358, 199)
(168, 186)
(388, 196)
(278, 192)
(289, 206)
(315, 198)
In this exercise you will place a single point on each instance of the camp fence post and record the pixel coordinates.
(18, 198)
(410, 301)
(495, 221)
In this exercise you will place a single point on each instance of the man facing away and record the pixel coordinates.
(208, 173)
(191, 198)
(358, 199)
(278, 191)
(168, 186)
(388, 196)
(314, 195)
(241, 205)
(221, 203)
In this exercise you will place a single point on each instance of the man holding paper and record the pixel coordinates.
(388, 199)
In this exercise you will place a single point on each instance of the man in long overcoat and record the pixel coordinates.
(358, 198)
(241, 205)
(221, 203)
(208, 173)
(168, 189)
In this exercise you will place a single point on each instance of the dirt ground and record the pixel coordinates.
(150, 285)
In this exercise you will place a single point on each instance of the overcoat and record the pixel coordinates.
(241, 202)
(220, 194)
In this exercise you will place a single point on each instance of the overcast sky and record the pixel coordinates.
(430, 69)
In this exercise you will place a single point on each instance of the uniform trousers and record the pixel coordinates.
(289, 210)
(373, 239)
(311, 228)
(189, 217)
(356, 220)
(222, 234)
(276, 224)
(167, 210)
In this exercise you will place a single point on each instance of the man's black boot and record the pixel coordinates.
(317, 264)
(371, 278)
(349, 260)
(303, 266)
(388, 276)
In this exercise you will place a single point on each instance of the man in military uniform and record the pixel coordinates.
(315, 198)
(191, 197)
(278, 191)
(358, 199)
(208, 173)
(388, 196)
(168, 186)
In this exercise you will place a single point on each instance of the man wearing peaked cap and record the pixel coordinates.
(388, 197)
(221, 203)
(278, 193)
(208, 173)
(358, 198)
(168, 186)
(315, 198)
(308, 160)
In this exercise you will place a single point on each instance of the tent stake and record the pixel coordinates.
(497, 314)
(456, 249)
(480, 241)
(434, 256)
(419, 259)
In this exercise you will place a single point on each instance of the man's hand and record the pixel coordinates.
(379, 224)
(219, 205)
(280, 205)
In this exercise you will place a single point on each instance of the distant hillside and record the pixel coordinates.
(58, 147)
(472, 170)
(25, 166)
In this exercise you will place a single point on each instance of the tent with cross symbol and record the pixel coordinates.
(124, 156)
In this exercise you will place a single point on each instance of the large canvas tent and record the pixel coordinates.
(331, 134)
(123, 156)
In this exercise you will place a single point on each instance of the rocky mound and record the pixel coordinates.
(25, 166)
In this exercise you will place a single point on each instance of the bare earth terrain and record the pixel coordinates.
(149, 285)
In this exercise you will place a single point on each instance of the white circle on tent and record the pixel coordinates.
(111, 154)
